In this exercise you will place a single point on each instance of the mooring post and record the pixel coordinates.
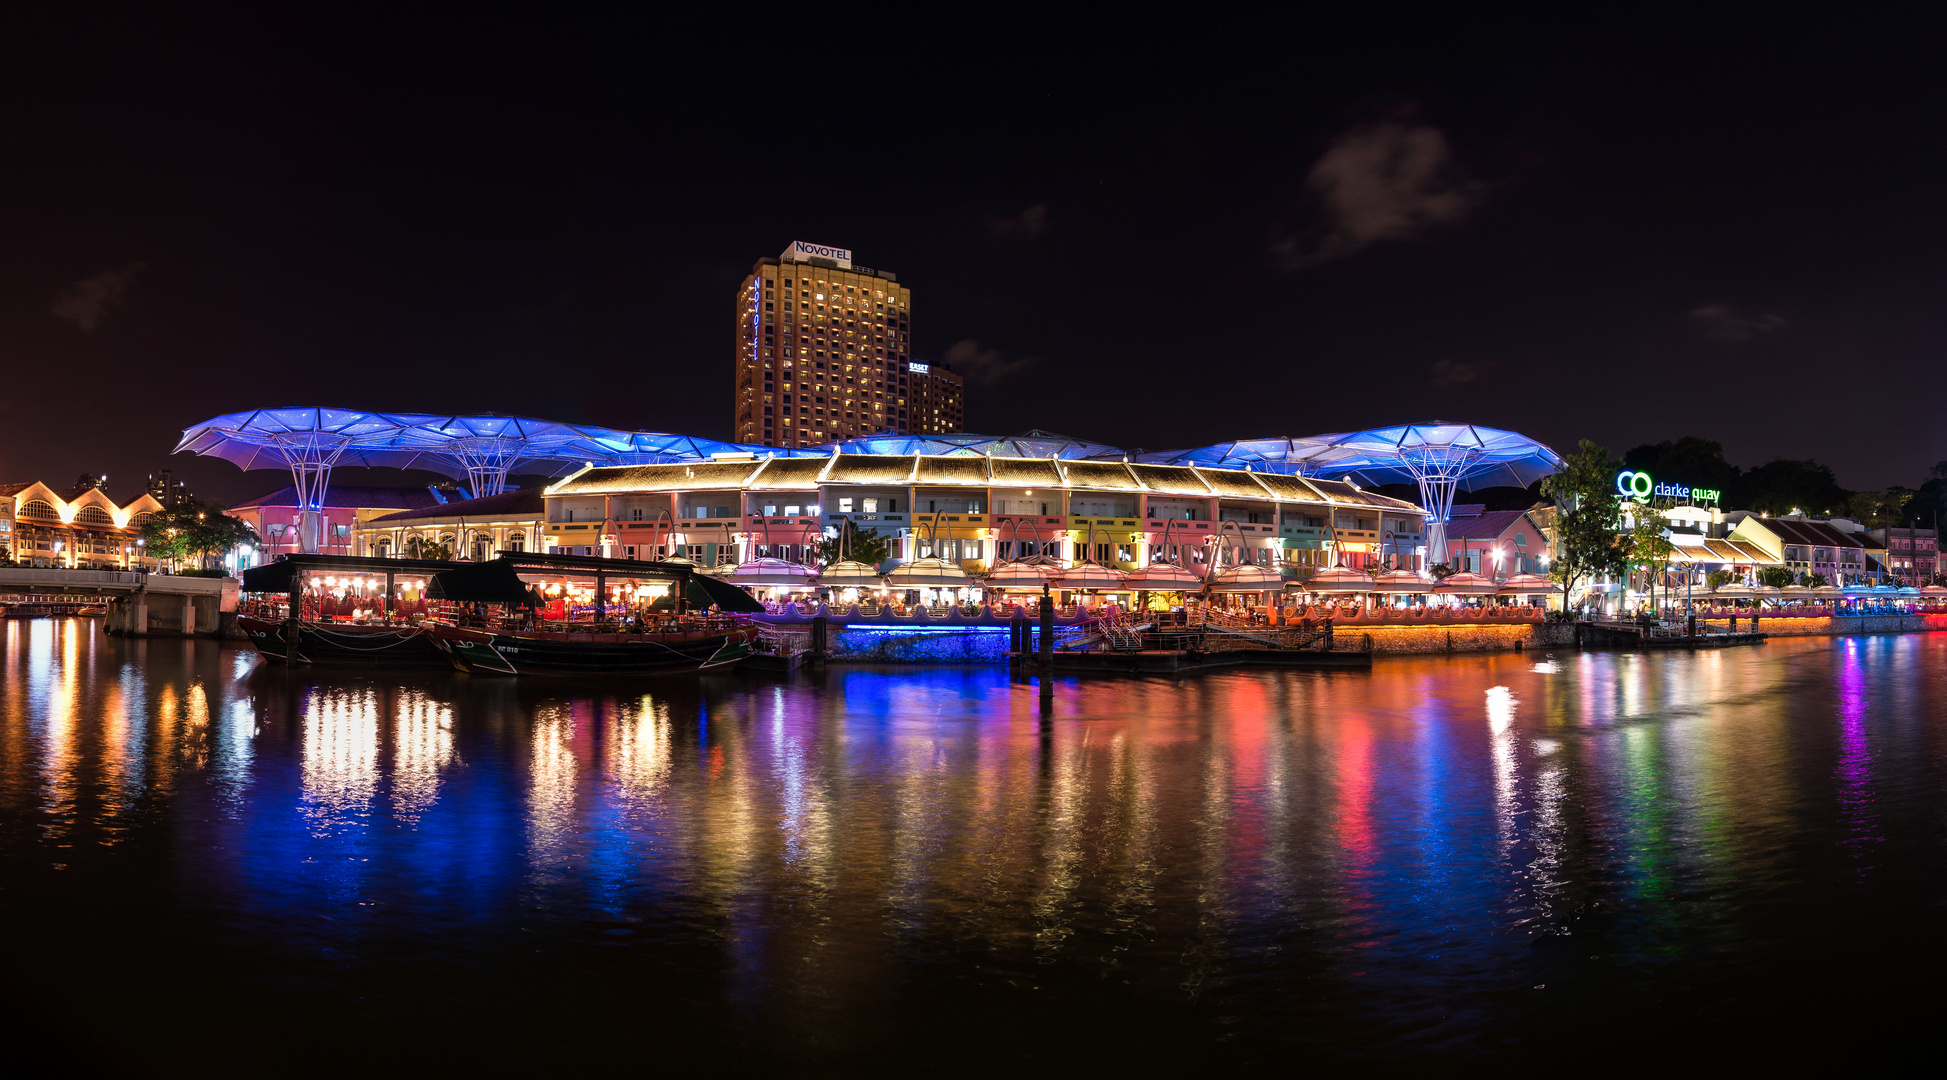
(820, 626)
(292, 616)
(1047, 642)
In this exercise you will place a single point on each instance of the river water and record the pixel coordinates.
(1457, 864)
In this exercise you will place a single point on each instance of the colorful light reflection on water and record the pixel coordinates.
(1468, 859)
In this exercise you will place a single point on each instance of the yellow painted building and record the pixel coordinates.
(40, 527)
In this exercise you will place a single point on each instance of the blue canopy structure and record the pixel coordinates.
(1028, 444)
(1286, 454)
(1439, 457)
(482, 449)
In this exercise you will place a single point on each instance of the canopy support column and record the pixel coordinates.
(311, 480)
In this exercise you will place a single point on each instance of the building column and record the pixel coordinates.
(189, 615)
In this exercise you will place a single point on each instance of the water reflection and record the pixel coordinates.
(1289, 857)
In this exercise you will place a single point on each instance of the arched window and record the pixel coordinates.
(1520, 540)
(382, 548)
(141, 519)
(38, 510)
(93, 515)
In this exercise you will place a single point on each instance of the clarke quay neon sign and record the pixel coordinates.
(1639, 485)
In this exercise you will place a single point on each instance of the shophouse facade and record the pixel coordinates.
(1493, 542)
(1806, 547)
(276, 516)
(476, 529)
(1912, 554)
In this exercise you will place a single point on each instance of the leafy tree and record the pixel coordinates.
(1931, 499)
(1690, 460)
(1780, 486)
(1878, 509)
(1717, 579)
(856, 544)
(1817, 581)
(193, 529)
(425, 547)
(1649, 545)
(1588, 513)
(1442, 571)
(1776, 576)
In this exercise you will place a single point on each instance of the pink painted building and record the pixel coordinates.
(1497, 543)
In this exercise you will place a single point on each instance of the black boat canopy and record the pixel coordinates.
(499, 581)
(279, 577)
(704, 591)
(495, 582)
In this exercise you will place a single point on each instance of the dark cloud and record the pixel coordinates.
(1727, 322)
(1447, 371)
(1021, 227)
(1390, 179)
(87, 302)
(983, 367)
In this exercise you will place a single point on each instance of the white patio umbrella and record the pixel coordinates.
(1466, 583)
(1338, 579)
(849, 572)
(1398, 582)
(1022, 575)
(1829, 592)
(1933, 590)
(1164, 577)
(1791, 592)
(1090, 575)
(1734, 592)
(929, 573)
(769, 571)
(1527, 584)
(1247, 577)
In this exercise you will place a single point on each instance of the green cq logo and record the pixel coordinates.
(1639, 485)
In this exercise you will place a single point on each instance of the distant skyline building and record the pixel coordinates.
(938, 400)
(823, 348)
(168, 490)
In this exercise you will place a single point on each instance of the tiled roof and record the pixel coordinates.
(15, 489)
(1815, 533)
(1487, 526)
(350, 496)
(506, 504)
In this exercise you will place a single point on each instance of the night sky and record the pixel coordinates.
(1153, 230)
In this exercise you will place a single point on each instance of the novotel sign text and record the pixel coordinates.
(804, 252)
(1639, 485)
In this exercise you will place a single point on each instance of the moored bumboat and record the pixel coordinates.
(344, 643)
(686, 644)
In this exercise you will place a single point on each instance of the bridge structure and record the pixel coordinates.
(139, 604)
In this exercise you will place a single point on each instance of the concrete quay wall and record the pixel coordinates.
(1464, 637)
(1846, 625)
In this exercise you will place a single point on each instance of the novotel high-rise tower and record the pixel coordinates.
(824, 351)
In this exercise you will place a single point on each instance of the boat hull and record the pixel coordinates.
(487, 652)
(366, 646)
